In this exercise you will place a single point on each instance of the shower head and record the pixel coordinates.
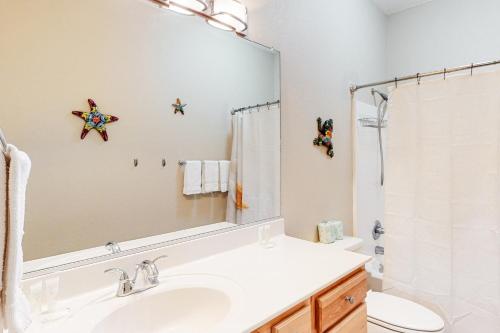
(385, 97)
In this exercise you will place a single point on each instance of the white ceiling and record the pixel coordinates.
(395, 6)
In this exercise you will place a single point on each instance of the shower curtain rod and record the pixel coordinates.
(418, 76)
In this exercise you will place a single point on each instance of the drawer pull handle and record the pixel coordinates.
(350, 299)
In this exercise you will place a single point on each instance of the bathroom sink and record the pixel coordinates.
(181, 304)
(179, 310)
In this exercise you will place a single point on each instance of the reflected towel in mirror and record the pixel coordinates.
(224, 175)
(192, 177)
(210, 176)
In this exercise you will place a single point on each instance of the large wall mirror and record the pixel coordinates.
(134, 60)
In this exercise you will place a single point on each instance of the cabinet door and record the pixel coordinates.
(355, 322)
(299, 322)
(336, 303)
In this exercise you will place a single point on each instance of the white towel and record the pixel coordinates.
(192, 177)
(224, 175)
(3, 226)
(16, 307)
(210, 176)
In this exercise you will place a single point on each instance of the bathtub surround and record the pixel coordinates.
(442, 210)
(14, 307)
(368, 192)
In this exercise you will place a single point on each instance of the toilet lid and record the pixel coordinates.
(399, 312)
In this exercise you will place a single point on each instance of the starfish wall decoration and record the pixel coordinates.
(179, 107)
(95, 120)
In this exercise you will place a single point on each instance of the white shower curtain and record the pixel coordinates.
(442, 210)
(254, 176)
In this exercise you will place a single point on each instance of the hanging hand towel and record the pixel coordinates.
(16, 308)
(3, 226)
(210, 176)
(224, 175)
(192, 177)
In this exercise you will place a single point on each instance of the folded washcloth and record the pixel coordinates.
(327, 232)
(224, 175)
(192, 177)
(339, 229)
(210, 176)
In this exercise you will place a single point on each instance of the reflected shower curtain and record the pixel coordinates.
(254, 176)
(442, 210)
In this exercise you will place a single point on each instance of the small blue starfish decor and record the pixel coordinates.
(179, 107)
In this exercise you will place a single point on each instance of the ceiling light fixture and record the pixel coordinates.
(187, 7)
(231, 13)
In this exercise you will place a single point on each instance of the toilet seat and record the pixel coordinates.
(401, 315)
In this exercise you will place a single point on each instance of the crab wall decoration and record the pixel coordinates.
(325, 136)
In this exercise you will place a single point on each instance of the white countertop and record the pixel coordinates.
(276, 279)
(271, 280)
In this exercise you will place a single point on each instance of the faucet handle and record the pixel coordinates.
(125, 286)
(123, 274)
(159, 258)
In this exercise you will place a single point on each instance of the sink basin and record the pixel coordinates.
(181, 304)
(180, 311)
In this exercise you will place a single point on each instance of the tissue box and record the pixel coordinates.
(327, 233)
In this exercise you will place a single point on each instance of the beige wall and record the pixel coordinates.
(134, 60)
(326, 45)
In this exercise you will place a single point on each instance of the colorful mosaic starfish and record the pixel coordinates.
(179, 107)
(94, 120)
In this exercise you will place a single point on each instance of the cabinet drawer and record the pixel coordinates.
(335, 304)
(299, 322)
(356, 322)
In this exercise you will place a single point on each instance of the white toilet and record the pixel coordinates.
(389, 314)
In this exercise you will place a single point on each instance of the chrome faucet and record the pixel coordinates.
(113, 247)
(126, 286)
(379, 250)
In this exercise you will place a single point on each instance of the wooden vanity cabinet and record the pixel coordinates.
(339, 308)
(298, 319)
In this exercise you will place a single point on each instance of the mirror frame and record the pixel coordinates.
(152, 246)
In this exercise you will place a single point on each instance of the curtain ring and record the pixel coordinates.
(418, 78)
(267, 105)
(471, 68)
(396, 82)
(444, 74)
